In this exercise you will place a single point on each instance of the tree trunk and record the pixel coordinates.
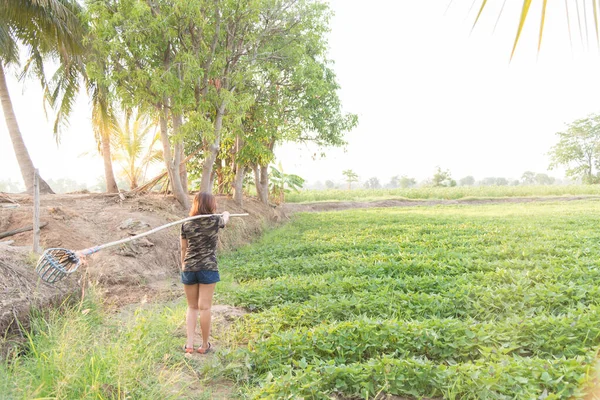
(172, 165)
(257, 182)
(206, 183)
(240, 172)
(217, 176)
(264, 184)
(21, 153)
(179, 148)
(238, 184)
(183, 172)
(213, 175)
(111, 183)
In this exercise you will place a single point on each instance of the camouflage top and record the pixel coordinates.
(201, 235)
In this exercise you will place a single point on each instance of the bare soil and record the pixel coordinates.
(137, 272)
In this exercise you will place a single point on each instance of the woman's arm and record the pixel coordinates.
(183, 251)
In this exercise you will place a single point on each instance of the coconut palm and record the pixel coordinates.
(46, 29)
(104, 124)
(134, 141)
(576, 12)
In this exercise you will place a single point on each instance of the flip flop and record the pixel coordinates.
(188, 350)
(207, 350)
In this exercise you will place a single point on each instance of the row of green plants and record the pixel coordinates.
(441, 193)
(498, 377)
(478, 301)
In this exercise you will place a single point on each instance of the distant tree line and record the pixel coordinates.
(440, 178)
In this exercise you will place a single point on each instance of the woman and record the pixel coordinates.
(200, 273)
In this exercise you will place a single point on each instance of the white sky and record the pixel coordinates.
(427, 90)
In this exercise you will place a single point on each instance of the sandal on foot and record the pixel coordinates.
(188, 350)
(204, 351)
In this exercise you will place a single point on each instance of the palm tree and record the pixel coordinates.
(134, 141)
(574, 12)
(46, 29)
(105, 124)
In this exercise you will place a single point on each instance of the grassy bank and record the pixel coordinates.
(78, 352)
(441, 193)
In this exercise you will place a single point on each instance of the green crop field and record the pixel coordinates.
(469, 302)
(442, 193)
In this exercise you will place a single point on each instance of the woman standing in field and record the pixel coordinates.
(199, 271)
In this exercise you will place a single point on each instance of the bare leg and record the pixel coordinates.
(204, 303)
(191, 294)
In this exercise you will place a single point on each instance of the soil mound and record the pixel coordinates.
(125, 272)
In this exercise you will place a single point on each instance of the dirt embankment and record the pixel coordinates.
(139, 270)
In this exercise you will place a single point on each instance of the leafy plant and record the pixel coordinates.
(351, 176)
(497, 301)
(282, 183)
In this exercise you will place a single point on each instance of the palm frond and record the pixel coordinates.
(103, 118)
(479, 13)
(9, 51)
(542, 24)
(524, 12)
(568, 22)
(134, 141)
(596, 22)
(580, 14)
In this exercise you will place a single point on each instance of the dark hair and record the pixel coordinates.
(204, 203)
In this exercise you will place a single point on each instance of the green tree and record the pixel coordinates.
(134, 142)
(406, 182)
(501, 181)
(10, 186)
(394, 182)
(329, 184)
(578, 149)
(351, 176)
(488, 181)
(144, 59)
(528, 178)
(372, 183)
(467, 181)
(104, 124)
(294, 93)
(443, 178)
(544, 179)
(47, 30)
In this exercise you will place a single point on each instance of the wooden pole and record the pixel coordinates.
(20, 230)
(36, 212)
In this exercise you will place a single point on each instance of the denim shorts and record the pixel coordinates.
(204, 277)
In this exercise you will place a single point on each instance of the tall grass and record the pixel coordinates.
(441, 193)
(76, 352)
